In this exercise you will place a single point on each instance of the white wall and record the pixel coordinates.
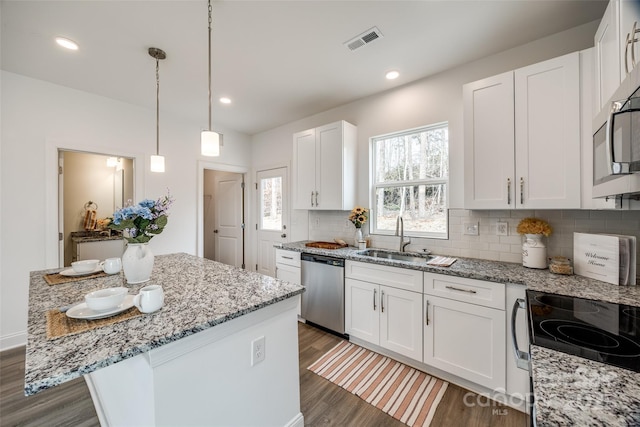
(431, 100)
(39, 117)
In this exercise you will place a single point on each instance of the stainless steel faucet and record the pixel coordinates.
(400, 232)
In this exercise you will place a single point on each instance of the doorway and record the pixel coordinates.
(224, 217)
(93, 181)
(272, 216)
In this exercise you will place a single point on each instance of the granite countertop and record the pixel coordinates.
(199, 294)
(501, 272)
(570, 390)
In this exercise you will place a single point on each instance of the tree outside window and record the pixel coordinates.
(410, 178)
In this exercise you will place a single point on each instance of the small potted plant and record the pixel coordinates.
(534, 250)
(359, 217)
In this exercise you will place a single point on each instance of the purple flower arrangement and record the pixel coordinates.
(139, 223)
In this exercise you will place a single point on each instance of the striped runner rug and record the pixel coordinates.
(408, 395)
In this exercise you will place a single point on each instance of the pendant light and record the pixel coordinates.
(210, 140)
(157, 161)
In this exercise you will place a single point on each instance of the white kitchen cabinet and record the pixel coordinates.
(629, 20)
(100, 249)
(384, 316)
(466, 340)
(324, 167)
(607, 55)
(522, 138)
(383, 306)
(615, 50)
(288, 268)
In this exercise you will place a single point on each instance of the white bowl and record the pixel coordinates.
(105, 299)
(85, 266)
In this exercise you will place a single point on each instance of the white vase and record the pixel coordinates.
(137, 263)
(534, 251)
(358, 237)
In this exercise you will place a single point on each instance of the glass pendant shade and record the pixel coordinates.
(210, 143)
(157, 163)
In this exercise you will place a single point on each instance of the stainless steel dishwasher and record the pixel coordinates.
(323, 300)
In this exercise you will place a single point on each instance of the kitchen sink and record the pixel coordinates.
(396, 256)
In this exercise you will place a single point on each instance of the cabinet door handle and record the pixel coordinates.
(312, 199)
(317, 199)
(626, 52)
(453, 288)
(382, 301)
(287, 257)
(522, 358)
(508, 191)
(521, 190)
(426, 311)
(374, 299)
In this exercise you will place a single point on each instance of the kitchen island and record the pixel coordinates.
(189, 363)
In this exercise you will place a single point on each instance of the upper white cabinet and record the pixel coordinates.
(522, 138)
(324, 167)
(616, 50)
(607, 55)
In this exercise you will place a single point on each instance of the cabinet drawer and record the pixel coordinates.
(488, 294)
(400, 278)
(288, 257)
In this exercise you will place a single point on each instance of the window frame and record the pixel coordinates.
(374, 185)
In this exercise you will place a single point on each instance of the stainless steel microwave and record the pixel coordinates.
(616, 150)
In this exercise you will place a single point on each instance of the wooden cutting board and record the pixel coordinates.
(325, 245)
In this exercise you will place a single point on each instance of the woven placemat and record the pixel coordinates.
(59, 325)
(57, 278)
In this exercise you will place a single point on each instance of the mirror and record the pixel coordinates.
(91, 182)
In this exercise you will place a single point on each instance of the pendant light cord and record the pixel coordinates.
(157, 106)
(210, 9)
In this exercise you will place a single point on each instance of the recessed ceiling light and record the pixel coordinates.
(67, 43)
(391, 75)
(225, 100)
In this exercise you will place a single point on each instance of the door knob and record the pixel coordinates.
(283, 235)
(215, 231)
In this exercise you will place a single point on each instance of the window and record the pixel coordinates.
(410, 177)
(271, 203)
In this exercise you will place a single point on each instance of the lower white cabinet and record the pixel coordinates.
(288, 269)
(466, 340)
(385, 316)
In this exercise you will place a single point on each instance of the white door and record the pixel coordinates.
(228, 232)
(304, 169)
(489, 143)
(362, 310)
(272, 203)
(466, 340)
(547, 129)
(401, 321)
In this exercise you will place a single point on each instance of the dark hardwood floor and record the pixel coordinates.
(322, 403)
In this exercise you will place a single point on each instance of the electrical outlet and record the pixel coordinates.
(502, 228)
(258, 352)
(471, 228)
(317, 222)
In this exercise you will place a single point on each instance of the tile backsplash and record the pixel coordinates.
(327, 225)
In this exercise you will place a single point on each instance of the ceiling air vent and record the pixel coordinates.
(363, 39)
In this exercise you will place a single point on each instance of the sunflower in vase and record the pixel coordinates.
(359, 216)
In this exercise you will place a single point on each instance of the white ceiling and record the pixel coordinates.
(278, 60)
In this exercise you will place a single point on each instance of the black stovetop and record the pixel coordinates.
(596, 330)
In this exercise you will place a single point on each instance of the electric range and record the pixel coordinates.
(596, 330)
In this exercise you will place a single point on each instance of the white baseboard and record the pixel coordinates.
(297, 421)
(13, 340)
